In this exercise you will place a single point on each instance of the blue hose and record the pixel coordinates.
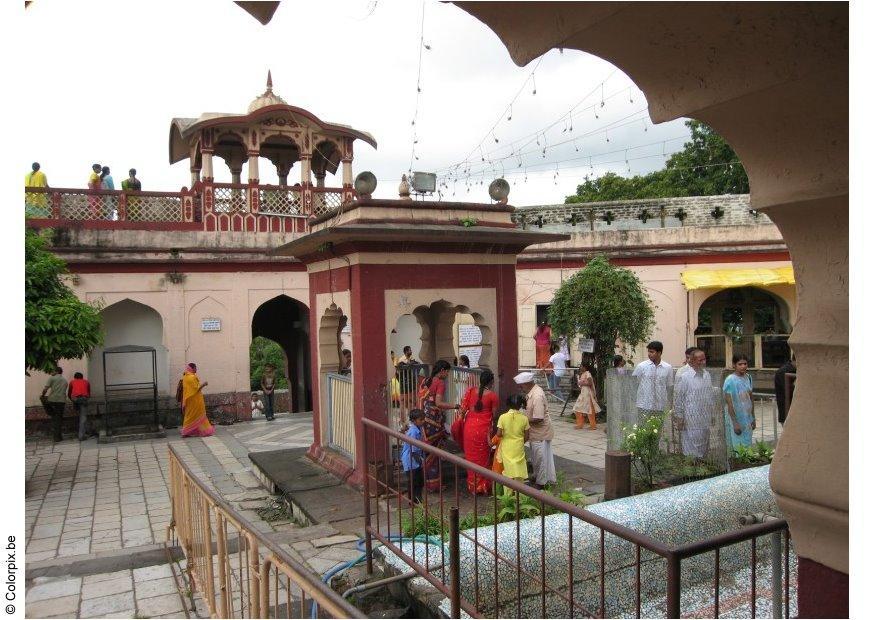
(360, 545)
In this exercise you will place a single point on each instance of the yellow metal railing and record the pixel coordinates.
(238, 572)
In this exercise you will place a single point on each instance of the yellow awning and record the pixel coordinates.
(729, 278)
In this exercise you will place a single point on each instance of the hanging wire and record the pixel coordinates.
(414, 139)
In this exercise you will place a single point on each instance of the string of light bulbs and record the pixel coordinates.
(422, 45)
(518, 157)
(567, 116)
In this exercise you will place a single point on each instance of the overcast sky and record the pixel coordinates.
(117, 73)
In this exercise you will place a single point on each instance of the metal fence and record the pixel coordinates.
(404, 391)
(236, 569)
(633, 563)
(459, 380)
(341, 414)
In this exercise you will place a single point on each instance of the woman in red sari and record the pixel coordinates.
(433, 393)
(481, 405)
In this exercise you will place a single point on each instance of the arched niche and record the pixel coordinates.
(129, 322)
(325, 158)
(407, 332)
(282, 152)
(439, 323)
(231, 147)
(330, 338)
(286, 321)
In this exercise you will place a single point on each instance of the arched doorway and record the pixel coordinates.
(744, 320)
(128, 322)
(286, 322)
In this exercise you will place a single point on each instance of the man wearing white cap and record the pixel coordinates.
(540, 431)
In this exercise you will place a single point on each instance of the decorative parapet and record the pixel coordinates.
(692, 211)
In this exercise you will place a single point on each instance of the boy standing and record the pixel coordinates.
(411, 456)
(268, 383)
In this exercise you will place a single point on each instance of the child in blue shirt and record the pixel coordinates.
(412, 456)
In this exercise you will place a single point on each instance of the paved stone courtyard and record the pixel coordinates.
(97, 515)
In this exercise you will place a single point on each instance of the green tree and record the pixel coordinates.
(57, 325)
(606, 303)
(262, 352)
(707, 166)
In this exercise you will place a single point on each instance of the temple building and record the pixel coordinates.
(194, 273)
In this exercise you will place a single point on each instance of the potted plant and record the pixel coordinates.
(644, 215)
(717, 212)
(609, 217)
(681, 215)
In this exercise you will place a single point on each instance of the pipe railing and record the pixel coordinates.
(384, 485)
(237, 570)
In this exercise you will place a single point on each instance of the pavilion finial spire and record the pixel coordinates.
(269, 82)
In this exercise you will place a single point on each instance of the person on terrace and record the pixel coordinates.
(479, 404)
(738, 399)
(36, 205)
(194, 409)
(432, 395)
(268, 386)
(94, 202)
(132, 184)
(656, 380)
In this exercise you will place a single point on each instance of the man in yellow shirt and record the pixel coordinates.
(36, 204)
(94, 183)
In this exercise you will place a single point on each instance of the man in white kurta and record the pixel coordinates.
(540, 429)
(694, 399)
(656, 379)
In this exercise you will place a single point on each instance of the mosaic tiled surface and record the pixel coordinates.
(674, 516)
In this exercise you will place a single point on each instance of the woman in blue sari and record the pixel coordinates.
(738, 397)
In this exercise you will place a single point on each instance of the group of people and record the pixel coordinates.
(37, 204)
(55, 395)
(691, 395)
(488, 439)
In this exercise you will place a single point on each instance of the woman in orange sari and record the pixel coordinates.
(480, 405)
(542, 345)
(194, 421)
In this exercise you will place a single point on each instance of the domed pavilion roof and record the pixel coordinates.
(267, 107)
(268, 97)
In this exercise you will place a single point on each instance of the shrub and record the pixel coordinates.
(642, 441)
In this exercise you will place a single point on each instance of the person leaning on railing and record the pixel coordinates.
(132, 184)
(36, 204)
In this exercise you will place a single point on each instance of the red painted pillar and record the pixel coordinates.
(507, 349)
(369, 379)
(822, 591)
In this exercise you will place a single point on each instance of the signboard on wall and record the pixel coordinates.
(473, 354)
(586, 345)
(211, 325)
(469, 335)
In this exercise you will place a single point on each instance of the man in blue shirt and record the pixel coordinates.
(412, 456)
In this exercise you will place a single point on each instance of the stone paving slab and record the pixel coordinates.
(96, 515)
